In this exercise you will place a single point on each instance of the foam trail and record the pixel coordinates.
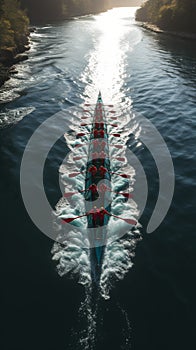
(117, 261)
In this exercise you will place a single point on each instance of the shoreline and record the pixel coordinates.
(11, 56)
(155, 29)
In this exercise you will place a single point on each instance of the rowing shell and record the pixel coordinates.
(98, 136)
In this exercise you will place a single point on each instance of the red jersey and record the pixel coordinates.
(93, 188)
(102, 213)
(101, 133)
(92, 170)
(96, 133)
(95, 214)
(103, 144)
(96, 144)
(102, 170)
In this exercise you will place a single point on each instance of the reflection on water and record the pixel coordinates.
(106, 69)
(138, 71)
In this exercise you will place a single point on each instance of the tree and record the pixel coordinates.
(169, 14)
(13, 24)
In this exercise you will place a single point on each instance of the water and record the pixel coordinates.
(141, 73)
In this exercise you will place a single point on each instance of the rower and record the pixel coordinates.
(99, 125)
(95, 214)
(96, 144)
(102, 155)
(101, 215)
(102, 144)
(103, 171)
(93, 188)
(93, 192)
(95, 155)
(95, 133)
(92, 170)
(102, 133)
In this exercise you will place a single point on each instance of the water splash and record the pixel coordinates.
(73, 256)
(105, 69)
(13, 116)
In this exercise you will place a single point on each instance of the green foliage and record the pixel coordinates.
(6, 34)
(169, 14)
(13, 24)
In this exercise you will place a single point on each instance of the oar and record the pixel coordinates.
(117, 146)
(128, 221)
(93, 104)
(70, 194)
(68, 220)
(80, 172)
(75, 174)
(80, 134)
(77, 158)
(116, 135)
(86, 117)
(126, 195)
(104, 188)
(114, 125)
(121, 159)
(122, 175)
(110, 144)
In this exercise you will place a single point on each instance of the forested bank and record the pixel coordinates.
(177, 15)
(15, 17)
(13, 35)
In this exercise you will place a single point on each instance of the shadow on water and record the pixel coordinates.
(182, 53)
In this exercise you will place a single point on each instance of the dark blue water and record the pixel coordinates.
(141, 73)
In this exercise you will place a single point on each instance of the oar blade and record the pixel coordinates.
(77, 158)
(127, 195)
(130, 221)
(121, 159)
(74, 174)
(118, 146)
(68, 220)
(69, 194)
(125, 176)
(116, 135)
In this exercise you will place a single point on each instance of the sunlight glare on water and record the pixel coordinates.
(115, 37)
